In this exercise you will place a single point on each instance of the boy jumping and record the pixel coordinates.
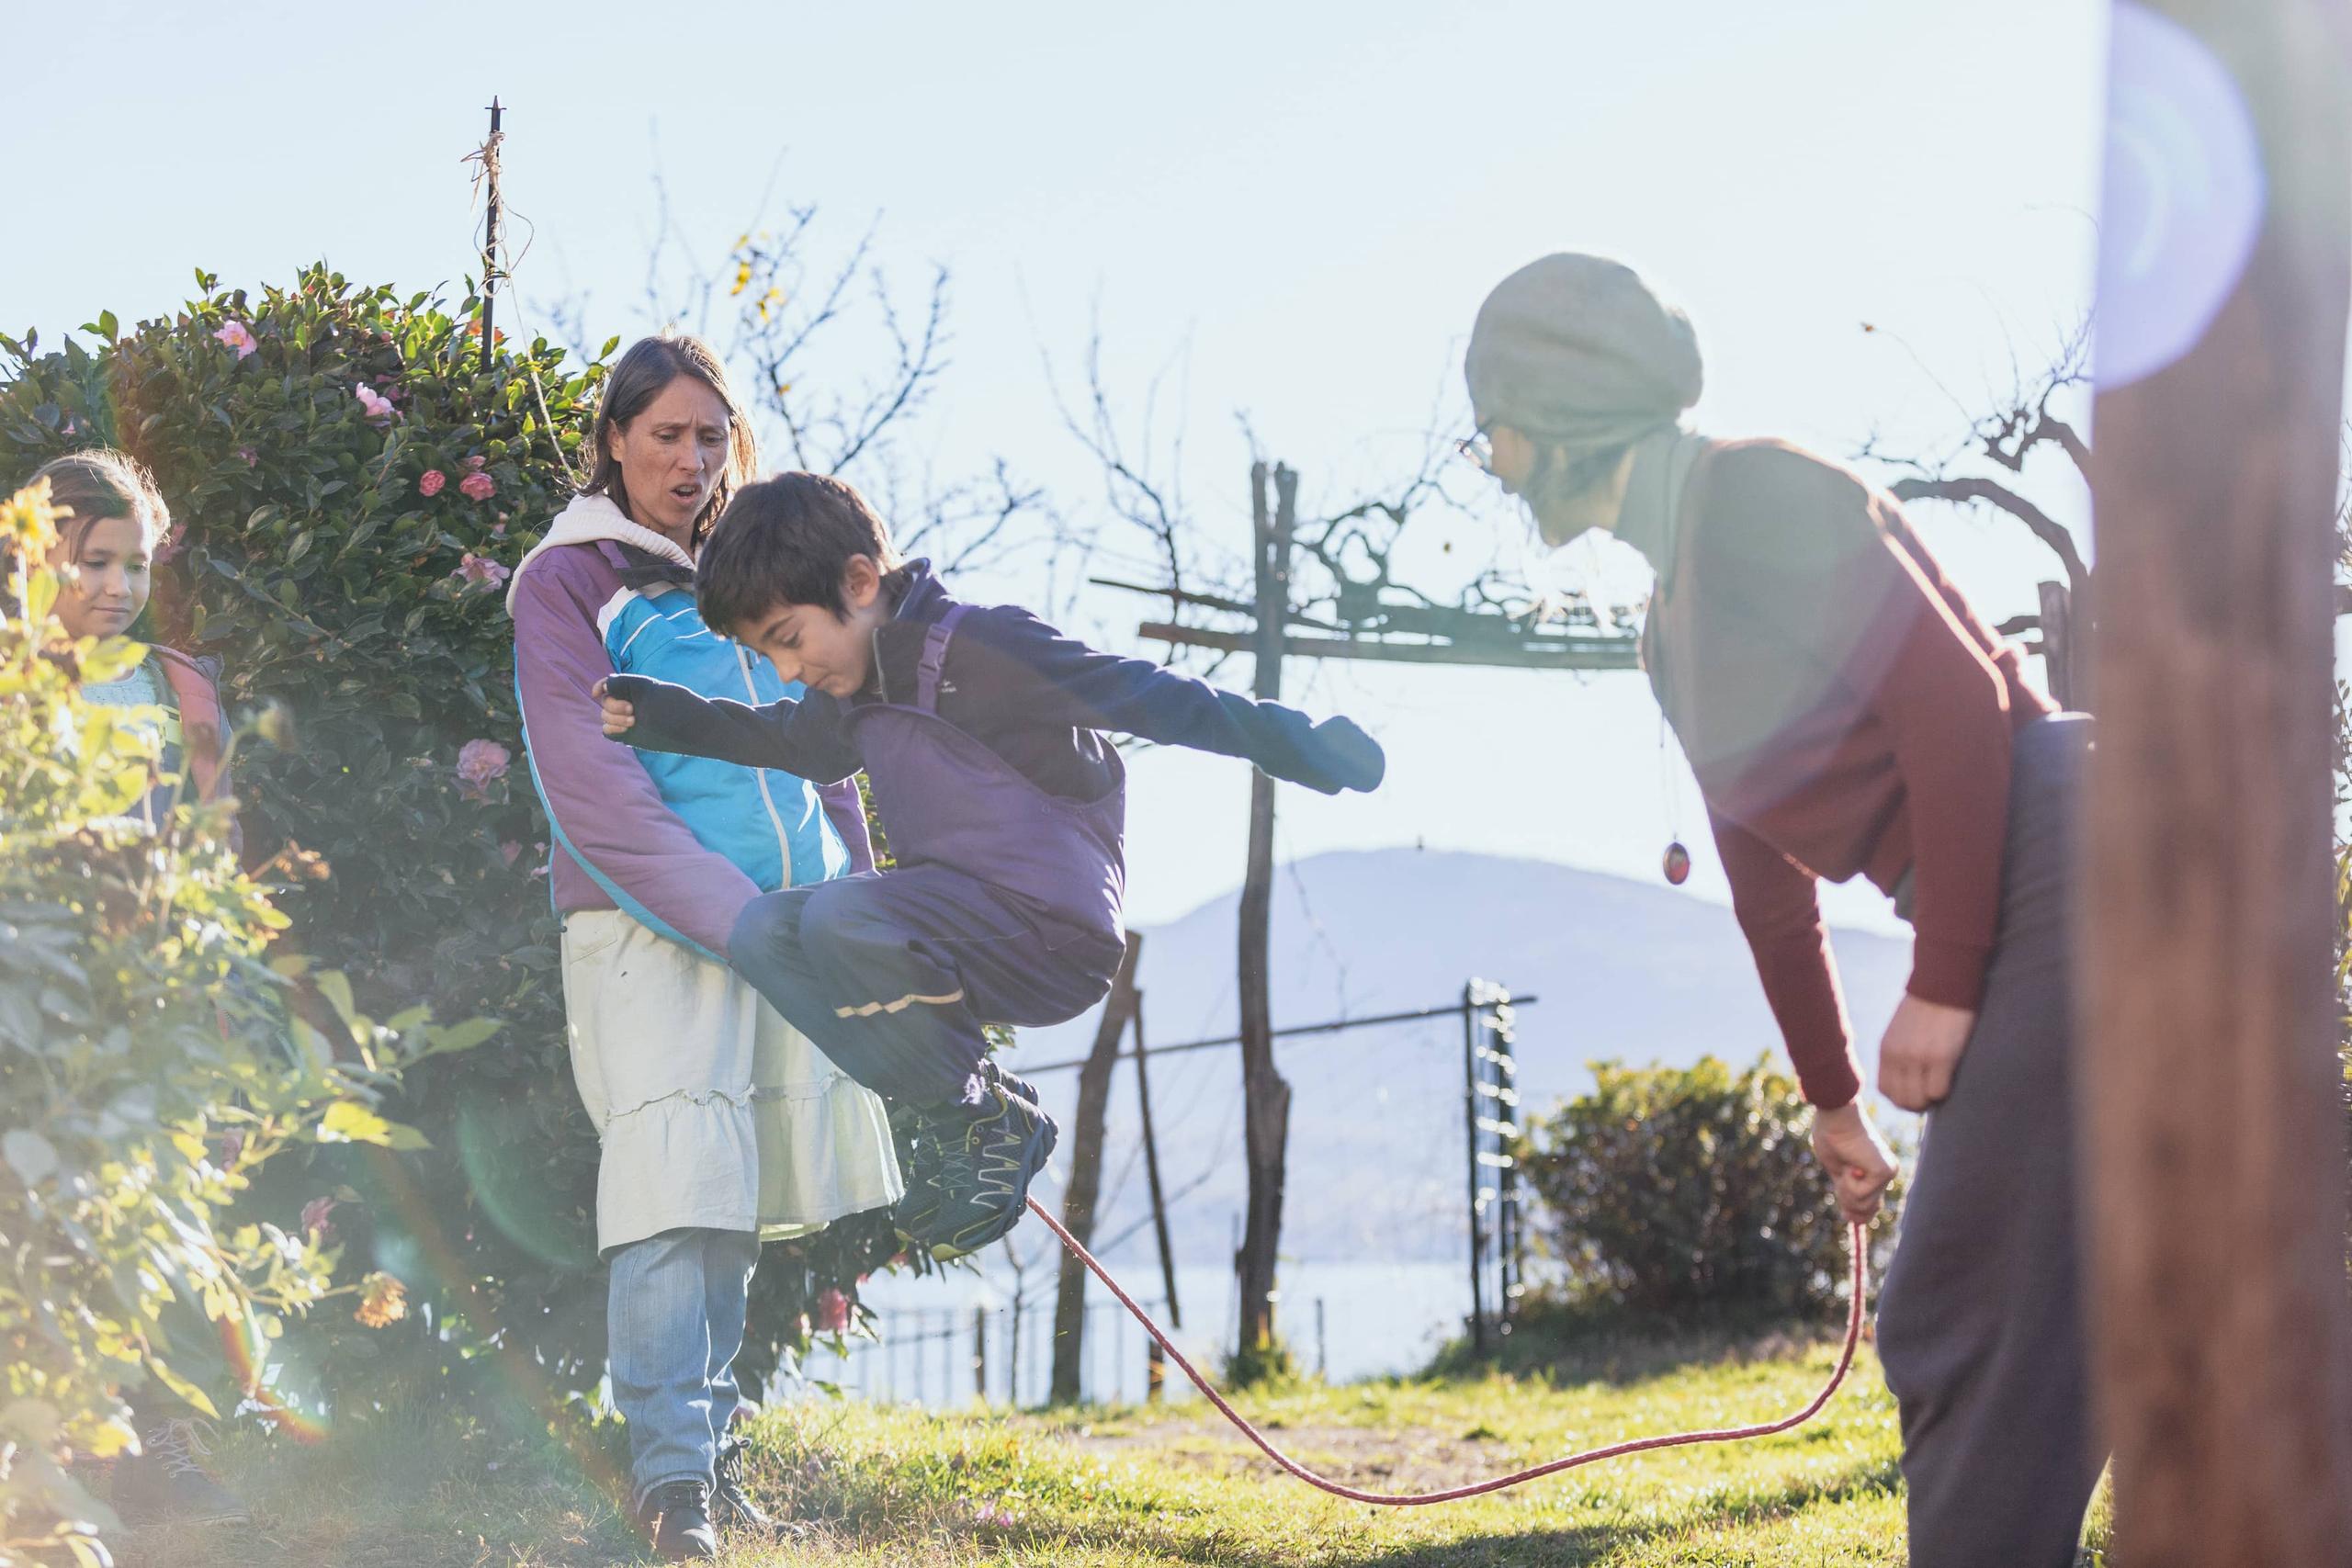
(978, 730)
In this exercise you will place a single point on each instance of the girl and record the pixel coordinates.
(1846, 711)
(720, 1123)
(104, 558)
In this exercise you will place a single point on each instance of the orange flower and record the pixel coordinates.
(382, 1301)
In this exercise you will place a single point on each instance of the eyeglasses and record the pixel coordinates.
(1475, 447)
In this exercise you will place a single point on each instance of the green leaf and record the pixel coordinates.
(447, 1040)
(31, 1155)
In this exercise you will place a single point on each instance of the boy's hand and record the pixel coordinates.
(1351, 759)
(1921, 1051)
(1858, 1160)
(619, 717)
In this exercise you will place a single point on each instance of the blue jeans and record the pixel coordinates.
(894, 975)
(674, 1323)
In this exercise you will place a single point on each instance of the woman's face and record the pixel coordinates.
(105, 580)
(673, 456)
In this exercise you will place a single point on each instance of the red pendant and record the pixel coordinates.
(1677, 863)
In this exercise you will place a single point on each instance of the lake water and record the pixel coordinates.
(1346, 1320)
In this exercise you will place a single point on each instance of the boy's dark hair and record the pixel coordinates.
(787, 540)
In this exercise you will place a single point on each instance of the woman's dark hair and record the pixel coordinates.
(787, 540)
(102, 483)
(635, 379)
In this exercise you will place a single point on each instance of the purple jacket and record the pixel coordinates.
(618, 842)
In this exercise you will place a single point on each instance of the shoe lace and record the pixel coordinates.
(181, 1442)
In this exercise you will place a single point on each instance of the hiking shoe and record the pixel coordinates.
(980, 1162)
(729, 1502)
(932, 1128)
(676, 1517)
(166, 1484)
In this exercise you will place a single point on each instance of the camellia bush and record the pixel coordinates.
(352, 481)
(1683, 1191)
(152, 1059)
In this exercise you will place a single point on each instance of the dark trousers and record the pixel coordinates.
(893, 975)
(1980, 1322)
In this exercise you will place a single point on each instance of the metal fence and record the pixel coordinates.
(949, 1357)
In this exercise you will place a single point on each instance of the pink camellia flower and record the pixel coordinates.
(482, 569)
(318, 1219)
(237, 335)
(379, 407)
(169, 545)
(479, 763)
(475, 462)
(251, 457)
(478, 486)
(832, 1310)
(509, 851)
(430, 482)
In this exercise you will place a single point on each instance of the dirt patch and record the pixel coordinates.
(1367, 1457)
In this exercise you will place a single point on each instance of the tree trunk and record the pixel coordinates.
(1086, 1175)
(2208, 1089)
(1265, 1095)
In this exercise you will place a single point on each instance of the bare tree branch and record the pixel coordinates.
(1991, 492)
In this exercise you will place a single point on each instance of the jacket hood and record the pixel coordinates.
(587, 520)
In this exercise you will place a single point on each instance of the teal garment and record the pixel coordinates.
(145, 687)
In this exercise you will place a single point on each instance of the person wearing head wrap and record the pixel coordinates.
(1846, 712)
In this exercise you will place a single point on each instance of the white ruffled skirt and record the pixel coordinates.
(714, 1112)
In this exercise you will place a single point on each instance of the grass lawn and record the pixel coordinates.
(898, 1488)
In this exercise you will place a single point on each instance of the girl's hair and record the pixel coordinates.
(101, 483)
(639, 377)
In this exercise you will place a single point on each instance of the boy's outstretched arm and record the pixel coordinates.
(805, 737)
(1059, 679)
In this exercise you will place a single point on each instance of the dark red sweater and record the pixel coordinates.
(1844, 711)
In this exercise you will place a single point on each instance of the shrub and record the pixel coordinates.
(148, 1067)
(1677, 1190)
(297, 434)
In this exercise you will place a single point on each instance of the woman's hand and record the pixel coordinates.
(1858, 1160)
(1921, 1051)
(618, 715)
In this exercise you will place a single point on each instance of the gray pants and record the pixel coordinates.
(1979, 1323)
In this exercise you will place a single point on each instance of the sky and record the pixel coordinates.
(1880, 218)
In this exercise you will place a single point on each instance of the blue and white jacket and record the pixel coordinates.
(680, 843)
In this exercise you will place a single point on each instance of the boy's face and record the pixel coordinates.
(830, 652)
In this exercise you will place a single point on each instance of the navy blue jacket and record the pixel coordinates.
(1037, 698)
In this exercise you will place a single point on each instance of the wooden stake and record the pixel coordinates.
(2208, 1092)
(1265, 1094)
(1086, 1175)
(489, 161)
(1151, 1174)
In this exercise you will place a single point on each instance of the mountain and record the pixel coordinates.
(1619, 970)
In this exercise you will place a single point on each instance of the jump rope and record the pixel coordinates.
(1861, 1280)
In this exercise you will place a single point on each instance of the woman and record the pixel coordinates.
(1846, 711)
(721, 1124)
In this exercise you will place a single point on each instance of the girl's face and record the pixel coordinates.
(673, 454)
(105, 577)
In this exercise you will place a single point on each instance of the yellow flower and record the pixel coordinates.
(28, 520)
(382, 1299)
(742, 277)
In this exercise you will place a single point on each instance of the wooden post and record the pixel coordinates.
(2059, 652)
(2209, 1091)
(980, 1353)
(490, 236)
(1152, 1176)
(1086, 1175)
(1265, 1095)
